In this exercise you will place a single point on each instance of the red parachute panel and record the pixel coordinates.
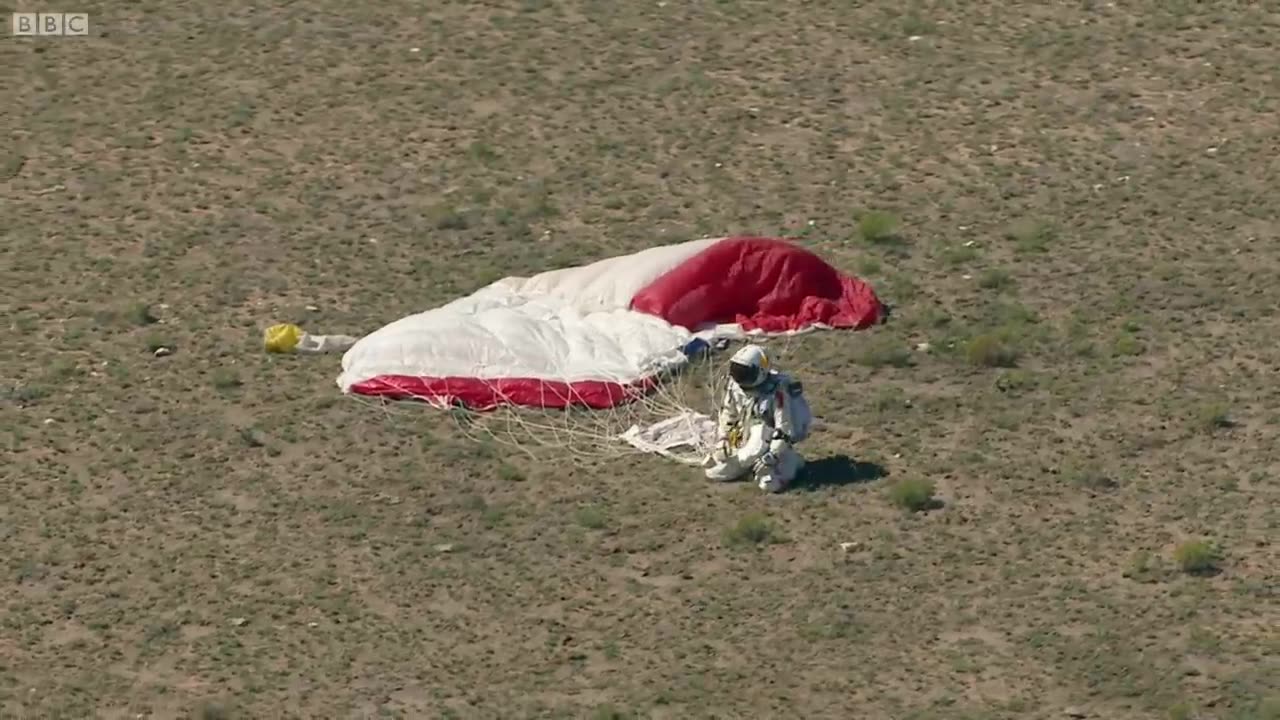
(764, 284)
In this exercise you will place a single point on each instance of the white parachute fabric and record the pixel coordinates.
(568, 331)
(498, 334)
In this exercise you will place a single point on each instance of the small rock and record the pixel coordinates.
(313, 624)
(923, 347)
(312, 308)
(163, 352)
(444, 547)
(389, 499)
(238, 622)
(48, 421)
(847, 546)
(1075, 712)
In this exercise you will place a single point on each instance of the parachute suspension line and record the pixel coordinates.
(527, 429)
(693, 389)
(686, 392)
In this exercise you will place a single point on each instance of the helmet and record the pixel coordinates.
(749, 366)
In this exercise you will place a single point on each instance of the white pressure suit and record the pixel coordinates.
(757, 430)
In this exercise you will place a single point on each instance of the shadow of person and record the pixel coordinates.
(837, 470)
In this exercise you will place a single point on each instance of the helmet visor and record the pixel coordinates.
(744, 375)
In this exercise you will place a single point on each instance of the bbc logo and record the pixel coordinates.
(51, 23)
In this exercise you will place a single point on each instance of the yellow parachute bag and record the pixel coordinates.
(282, 338)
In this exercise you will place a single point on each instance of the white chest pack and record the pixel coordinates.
(789, 393)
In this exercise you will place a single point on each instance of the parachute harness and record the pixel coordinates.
(733, 439)
(736, 437)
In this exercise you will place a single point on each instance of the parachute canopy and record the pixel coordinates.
(600, 335)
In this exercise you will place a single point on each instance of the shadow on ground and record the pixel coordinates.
(837, 470)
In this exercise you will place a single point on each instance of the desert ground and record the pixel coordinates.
(1048, 487)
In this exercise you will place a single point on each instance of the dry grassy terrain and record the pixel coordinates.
(1074, 204)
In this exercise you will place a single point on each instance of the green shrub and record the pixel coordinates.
(990, 350)
(1197, 557)
(590, 518)
(878, 228)
(913, 494)
(752, 529)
